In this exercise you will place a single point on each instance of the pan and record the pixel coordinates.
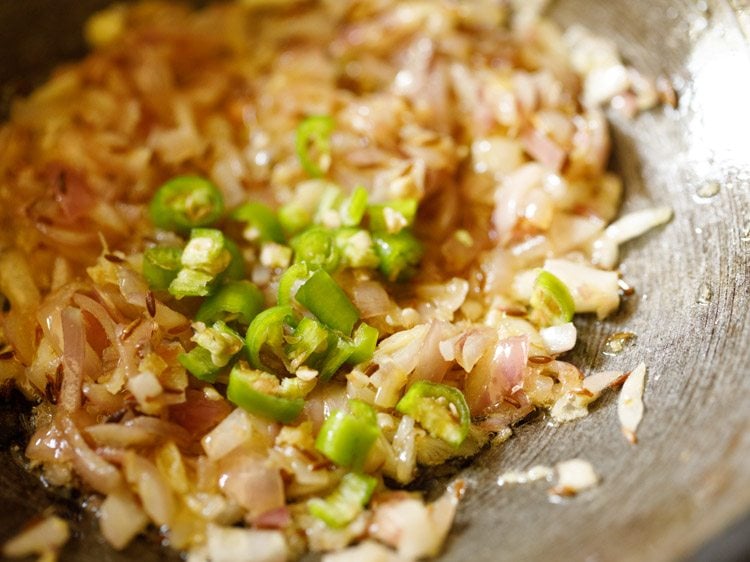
(674, 494)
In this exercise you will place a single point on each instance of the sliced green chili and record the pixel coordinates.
(239, 301)
(262, 223)
(294, 218)
(346, 502)
(206, 251)
(191, 283)
(354, 207)
(313, 144)
(339, 351)
(309, 337)
(186, 202)
(267, 330)
(330, 201)
(290, 281)
(198, 363)
(365, 340)
(399, 254)
(551, 301)
(236, 268)
(160, 266)
(256, 392)
(442, 410)
(347, 437)
(322, 296)
(392, 216)
(317, 248)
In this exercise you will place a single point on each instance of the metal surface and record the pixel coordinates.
(689, 476)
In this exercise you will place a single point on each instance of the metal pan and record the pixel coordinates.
(688, 477)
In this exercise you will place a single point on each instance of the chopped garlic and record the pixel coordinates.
(219, 340)
(394, 221)
(275, 255)
(573, 476)
(630, 402)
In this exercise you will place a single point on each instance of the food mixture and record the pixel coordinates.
(263, 262)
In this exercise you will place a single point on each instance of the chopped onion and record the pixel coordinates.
(367, 551)
(414, 529)
(44, 539)
(121, 518)
(604, 250)
(93, 469)
(544, 150)
(119, 435)
(230, 544)
(597, 382)
(251, 482)
(235, 429)
(630, 402)
(559, 339)
(153, 490)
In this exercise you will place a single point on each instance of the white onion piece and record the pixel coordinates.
(229, 544)
(233, 430)
(93, 469)
(544, 150)
(597, 382)
(367, 551)
(119, 435)
(604, 250)
(44, 539)
(414, 529)
(151, 487)
(630, 402)
(121, 518)
(251, 482)
(74, 349)
(558, 339)
(508, 364)
(574, 476)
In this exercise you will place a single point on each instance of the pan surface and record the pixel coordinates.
(688, 478)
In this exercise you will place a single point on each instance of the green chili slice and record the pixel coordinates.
(267, 331)
(236, 268)
(262, 223)
(160, 266)
(256, 392)
(191, 283)
(293, 218)
(199, 364)
(317, 248)
(551, 301)
(339, 351)
(322, 296)
(365, 340)
(309, 337)
(354, 207)
(393, 216)
(313, 144)
(347, 437)
(399, 254)
(346, 502)
(442, 410)
(290, 282)
(239, 301)
(186, 202)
